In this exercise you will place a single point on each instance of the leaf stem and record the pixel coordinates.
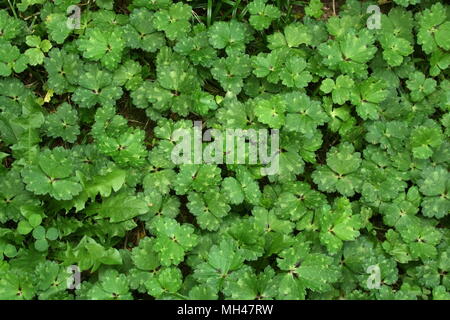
(12, 9)
(209, 13)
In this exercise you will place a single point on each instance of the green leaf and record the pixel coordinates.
(297, 34)
(269, 222)
(221, 261)
(296, 200)
(41, 245)
(107, 47)
(350, 53)
(24, 4)
(314, 9)
(338, 225)
(111, 286)
(209, 209)
(89, 254)
(441, 36)
(39, 233)
(196, 177)
(52, 234)
(16, 287)
(197, 48)
(10, 27)
(229, 35)
(341, 89)
(141, 32)
(174, 21)
(421, 239)
(63, 70)
(35, 220)
(24, 227)
(96, 87)
(246, 285)
(262, 14)
(420, 86)
(202, 293)
(424, 139)
(435, 186)
(167, 281)
(11, 59)
(432, 28)
(144, 256)
(395, 49)
(53, 175)
(120, 207)
(343, 160)
(172, 240)
(233, 190)
(231, 71)
(303, 114)
(368, 96)
(306, 270)
(271, 111)
(57, 29)
(340, 174)
(10, 251)
(294, 73)
(63, 123)
(35, 55)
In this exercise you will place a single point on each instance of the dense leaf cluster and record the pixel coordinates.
(86, 178)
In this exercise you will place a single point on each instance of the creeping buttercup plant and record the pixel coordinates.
(87, 182)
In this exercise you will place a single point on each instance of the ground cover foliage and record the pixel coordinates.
(86, 177)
